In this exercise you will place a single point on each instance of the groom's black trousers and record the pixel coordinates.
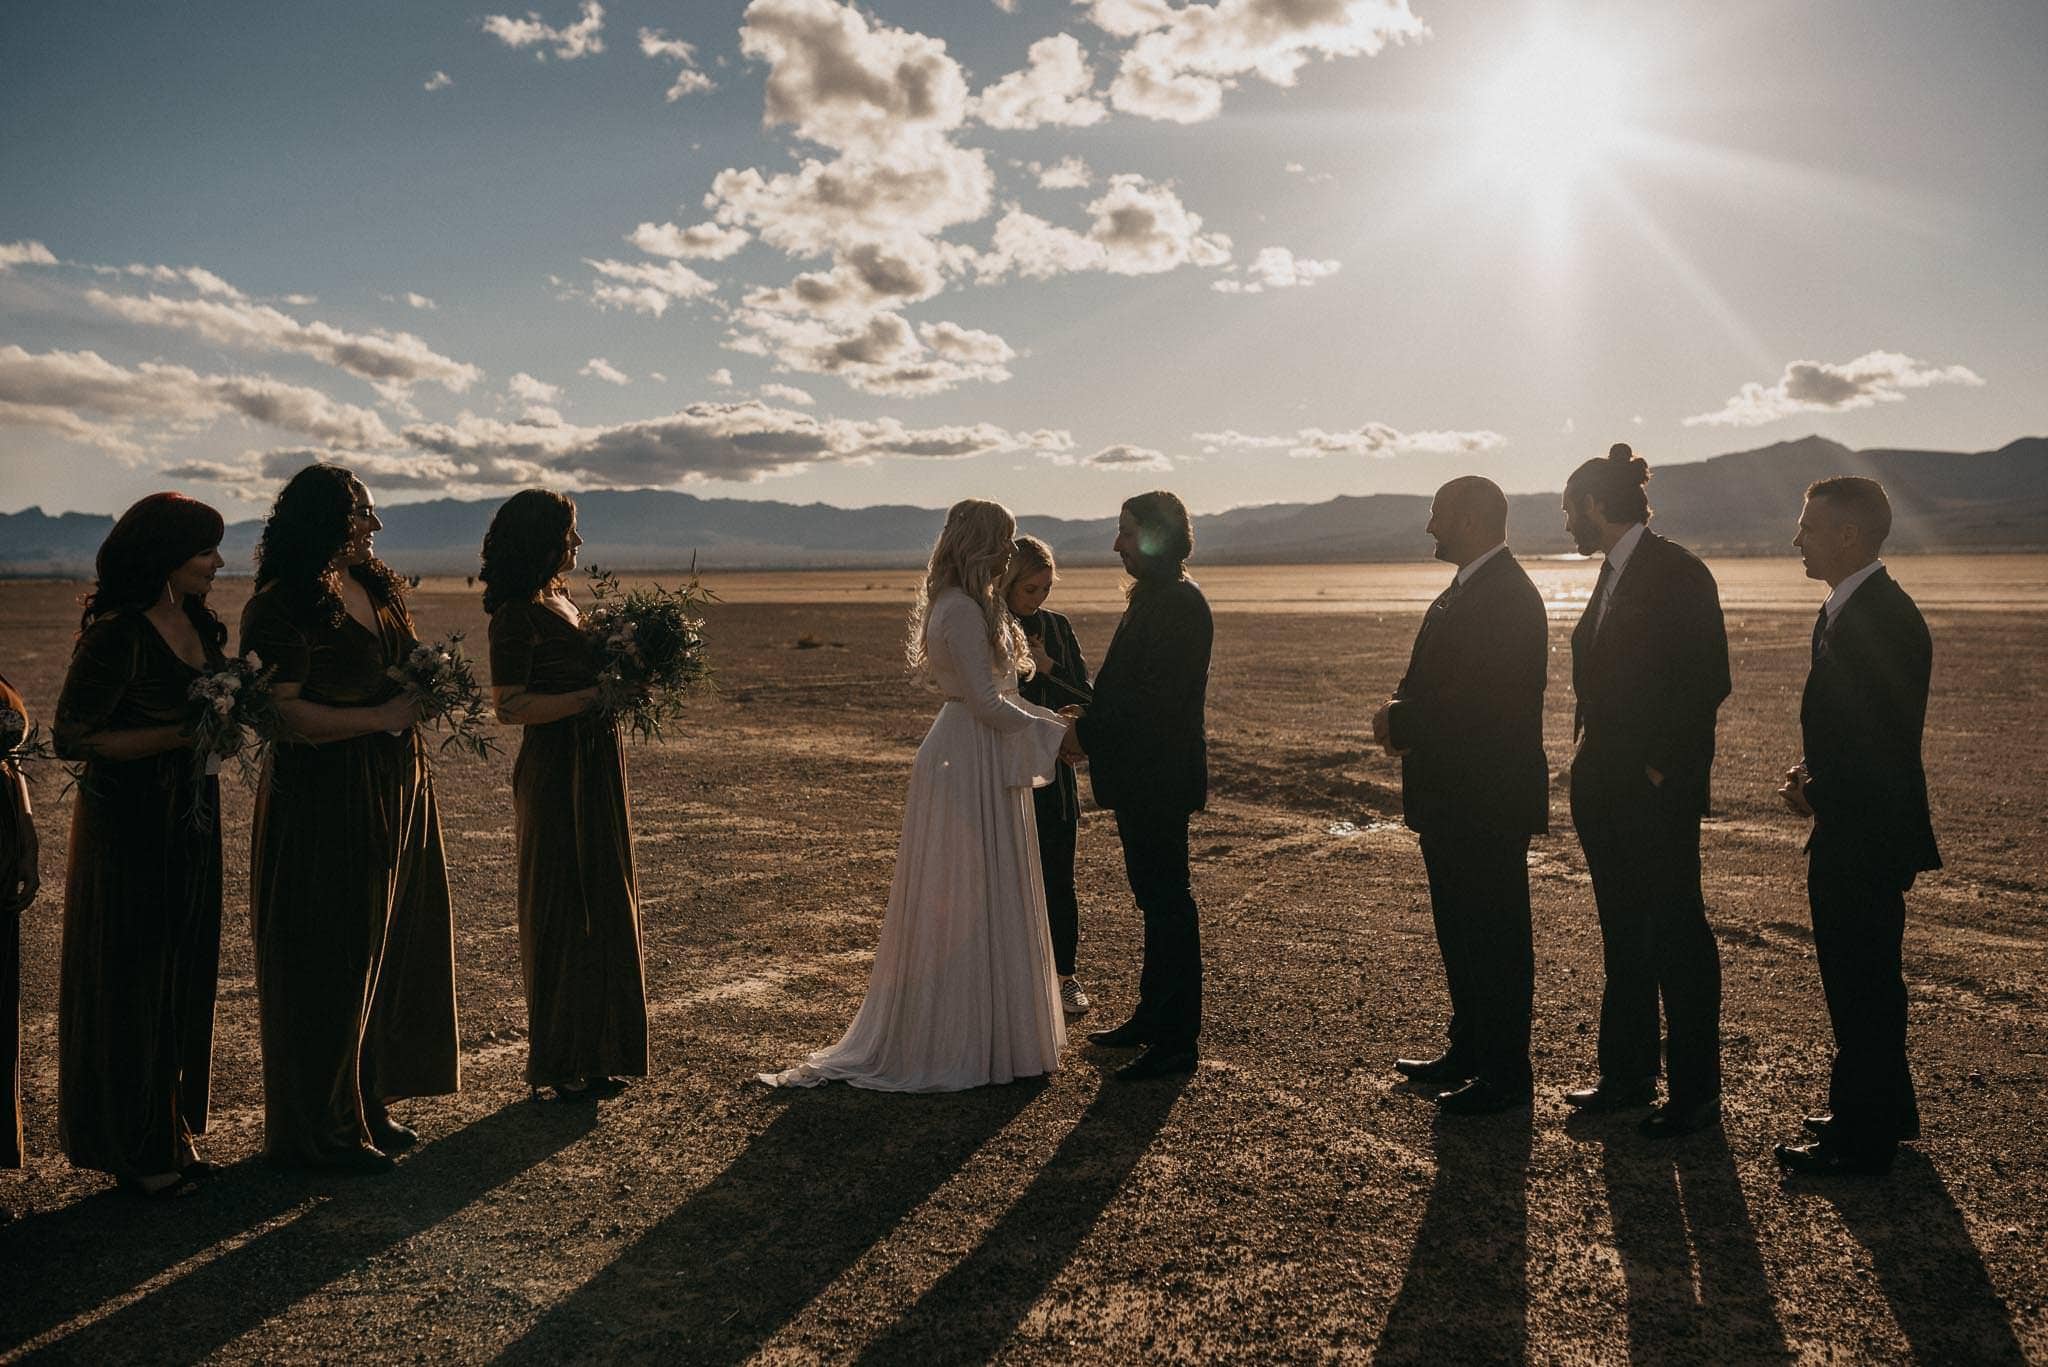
(1859, 925)
(1479, 895)
(1170, 986)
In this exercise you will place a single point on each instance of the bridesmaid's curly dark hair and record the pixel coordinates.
(158, 534)
(306, 530)
(524, 549)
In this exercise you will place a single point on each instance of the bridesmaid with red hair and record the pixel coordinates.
(142, 885)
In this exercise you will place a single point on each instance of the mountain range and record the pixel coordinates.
(1745, 503)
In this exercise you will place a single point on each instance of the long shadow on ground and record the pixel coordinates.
(1465, 1295)
(827, 1180)
(972, 1311)
(200, 1313)
(1695, 1277)
(1927, 1265)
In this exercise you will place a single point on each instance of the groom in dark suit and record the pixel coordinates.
(1863, 784)
(1649, 668)
(1148, 762)
(1467, 722)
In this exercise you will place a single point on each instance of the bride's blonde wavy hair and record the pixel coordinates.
(972, 551)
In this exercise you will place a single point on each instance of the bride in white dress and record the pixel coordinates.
(963, 991)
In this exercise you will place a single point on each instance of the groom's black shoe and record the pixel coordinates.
(1480, 1097)
(1443, 1070)
(1825, 1160)
(1161, 1060)
(1673, 1118)
(1132, 1034)
(1613, 1094)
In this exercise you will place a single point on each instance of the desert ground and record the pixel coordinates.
(1286, 1203)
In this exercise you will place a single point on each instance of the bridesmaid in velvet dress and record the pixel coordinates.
(580, 951)
(19, 883)
(142, 885)
(348, 888)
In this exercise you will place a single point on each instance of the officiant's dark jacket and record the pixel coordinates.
(1861, 718)
(1469, 711)
(1144, 731)
(1650, 681)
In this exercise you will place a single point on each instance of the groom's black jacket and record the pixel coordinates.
(1861, 718)
(1469, 712)
(1144, 731)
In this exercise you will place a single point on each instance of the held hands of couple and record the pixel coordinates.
(1070, 745)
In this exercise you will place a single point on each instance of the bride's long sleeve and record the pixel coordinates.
(1031, 734)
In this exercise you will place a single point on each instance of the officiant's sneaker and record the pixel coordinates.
(1073, 1000)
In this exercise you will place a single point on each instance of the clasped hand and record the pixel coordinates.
(1383, 729)
(1793, 789)
(1071, 751)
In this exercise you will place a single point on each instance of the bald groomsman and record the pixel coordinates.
(1467, 722)
(1863, 784)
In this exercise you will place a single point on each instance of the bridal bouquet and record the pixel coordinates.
(441, 679)
(650, 649)
(233, 716)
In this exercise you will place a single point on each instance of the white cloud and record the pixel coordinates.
(884, 273)
(29, 253)
(83, 396)
(924, 188)
(709, 241)
(418, 300)
(1068, 173)
(1821, 387)
(878, 353)
(1277, 268)
(1052, 89)
(1140, 228)
(386, 358)
(527, 389)
(569, 42)
(1183, 59)
(788, 393)
(720, 377)
(743, 440)
(440, 80)
(654, 43)
(1374, 439)
(1006, 6)
(1123, 456)
(599, 368)
(645, 287)
(847, 84)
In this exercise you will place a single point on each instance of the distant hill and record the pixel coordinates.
(1739, 504)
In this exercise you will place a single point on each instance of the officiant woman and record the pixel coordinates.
(580, 953)
(348, 889)
(142, 882)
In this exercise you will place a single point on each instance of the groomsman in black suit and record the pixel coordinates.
(1467, 722)
(1650, 668)
(1148, 761)
(1863, 784)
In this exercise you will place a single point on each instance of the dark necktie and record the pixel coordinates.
(1820, 629)
(1597, 605)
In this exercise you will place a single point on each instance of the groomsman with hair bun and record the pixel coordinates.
(1467, 722)
(1649, 668)
(1864, 786)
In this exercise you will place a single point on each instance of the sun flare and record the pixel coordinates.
(1554, 113)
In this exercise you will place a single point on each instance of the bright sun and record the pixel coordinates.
(1556, 112)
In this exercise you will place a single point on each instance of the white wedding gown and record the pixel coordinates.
(963, 991)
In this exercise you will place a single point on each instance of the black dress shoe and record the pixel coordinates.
(1480, 1097)
(1612, 1094)
(1672, 1119)
(1132, 1034)
(1442, 1069)
(1815, 1125)
(1160, 1060)
(392, 1137)
(363, 1162)
(1824, 1160)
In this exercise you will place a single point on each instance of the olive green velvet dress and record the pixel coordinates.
(580, 949)
(142, 891)
(348, 897)
(14, 809)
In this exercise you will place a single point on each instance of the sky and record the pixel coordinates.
(1051, 252)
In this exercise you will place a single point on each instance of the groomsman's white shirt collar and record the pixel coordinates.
(1841, 592)
(1623, 549)
(1471, 567)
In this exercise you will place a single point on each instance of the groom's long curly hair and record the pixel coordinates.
(972, 552)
